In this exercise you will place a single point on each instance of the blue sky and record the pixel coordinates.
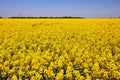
(81, 8)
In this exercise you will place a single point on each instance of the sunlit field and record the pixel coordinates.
(59, 49)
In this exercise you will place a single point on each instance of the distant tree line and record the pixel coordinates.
(0, 17)
(43, 17)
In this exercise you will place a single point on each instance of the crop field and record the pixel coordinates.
(59, 49)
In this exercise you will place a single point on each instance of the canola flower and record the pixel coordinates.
(59, 49)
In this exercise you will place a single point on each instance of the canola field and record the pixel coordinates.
(59, 49)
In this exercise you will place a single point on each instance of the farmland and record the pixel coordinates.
(59, 49)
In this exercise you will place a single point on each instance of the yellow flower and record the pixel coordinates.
(14, 77)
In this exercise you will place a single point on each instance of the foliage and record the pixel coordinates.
(57, 49)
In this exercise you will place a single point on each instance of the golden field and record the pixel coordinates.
(59, 49)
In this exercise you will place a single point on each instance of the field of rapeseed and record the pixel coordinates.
(59, 49)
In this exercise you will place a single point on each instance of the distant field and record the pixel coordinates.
(59, 49)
